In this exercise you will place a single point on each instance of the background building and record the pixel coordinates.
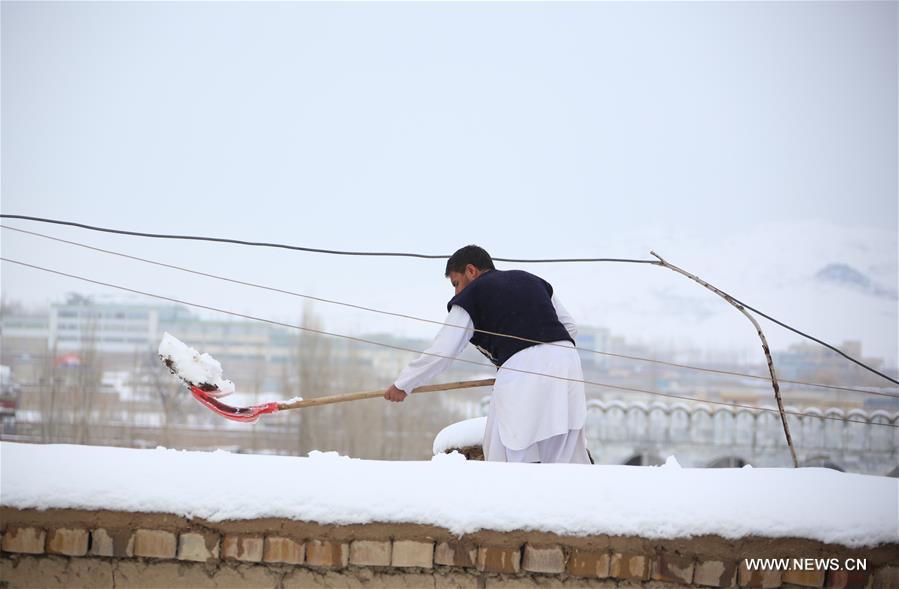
(86, 371)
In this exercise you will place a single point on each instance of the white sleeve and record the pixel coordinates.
(565, 317)
(448, 344)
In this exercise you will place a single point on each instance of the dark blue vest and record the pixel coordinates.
(512, 302)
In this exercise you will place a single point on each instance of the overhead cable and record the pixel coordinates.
(312, 249)
(430, 256)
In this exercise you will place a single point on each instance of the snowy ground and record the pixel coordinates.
(448, 491)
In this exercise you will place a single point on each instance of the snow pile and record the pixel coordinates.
(193, 367)
(671, 462)
(319, 455)
(449, 458)
(461, 435)
(462, 496)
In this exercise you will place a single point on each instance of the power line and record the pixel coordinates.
(311, 249)
(405, 316)
(428, 256)
(404, 349)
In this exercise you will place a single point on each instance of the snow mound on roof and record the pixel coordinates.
(449, 458)
(671, 462)
(469, 432)
(462, 496)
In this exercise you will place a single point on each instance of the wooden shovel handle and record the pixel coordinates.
(431, 388)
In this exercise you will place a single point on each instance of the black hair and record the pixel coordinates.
(470, 254)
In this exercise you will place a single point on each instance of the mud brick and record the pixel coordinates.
(715, 573)
(196, 547)
(370, 553)
(325, 553)
(758, 579)
(672, 568)
(494, 559)
(804, 578)
(848, 580)
(630, 567)
(101, 543)
(152, 544)
(67, 541)
(457, 554)
(280, 549)
(412, 553)
(24, 540)
(886, 578)
(245, 548)
(543, 559)
(586, 563)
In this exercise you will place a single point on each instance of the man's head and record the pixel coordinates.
(467, 264)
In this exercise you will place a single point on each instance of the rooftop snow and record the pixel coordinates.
(462, 496)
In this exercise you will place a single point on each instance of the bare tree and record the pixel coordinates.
(48, 383)
(316, 375)
(165, 389)
(87, 382)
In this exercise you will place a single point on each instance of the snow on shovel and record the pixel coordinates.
(203, 376)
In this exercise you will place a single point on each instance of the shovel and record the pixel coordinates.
(252, 413)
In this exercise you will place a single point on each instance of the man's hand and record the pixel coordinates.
(394, 394)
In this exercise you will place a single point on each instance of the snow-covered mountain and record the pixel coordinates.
(845, 275)
(836, 283)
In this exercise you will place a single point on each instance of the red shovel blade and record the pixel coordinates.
(244, 414)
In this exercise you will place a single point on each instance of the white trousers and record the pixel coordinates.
(568, 448)
(534, 418)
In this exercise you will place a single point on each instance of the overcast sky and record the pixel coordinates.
(754, 144)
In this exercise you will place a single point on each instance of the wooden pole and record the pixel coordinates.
(758, 329)
(380, 393)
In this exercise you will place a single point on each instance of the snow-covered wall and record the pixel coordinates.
(462, 496)
(446, 521)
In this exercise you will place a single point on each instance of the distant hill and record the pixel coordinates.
(845, 275)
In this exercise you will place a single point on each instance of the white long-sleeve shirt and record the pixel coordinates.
(450, 342)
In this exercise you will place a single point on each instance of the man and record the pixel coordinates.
(532, 418)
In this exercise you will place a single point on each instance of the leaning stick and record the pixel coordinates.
(761, 335)
(432, 388)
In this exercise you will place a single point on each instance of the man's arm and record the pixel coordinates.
(565, 317)
(448, 344)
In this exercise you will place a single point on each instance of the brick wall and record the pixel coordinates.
(69, 548)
